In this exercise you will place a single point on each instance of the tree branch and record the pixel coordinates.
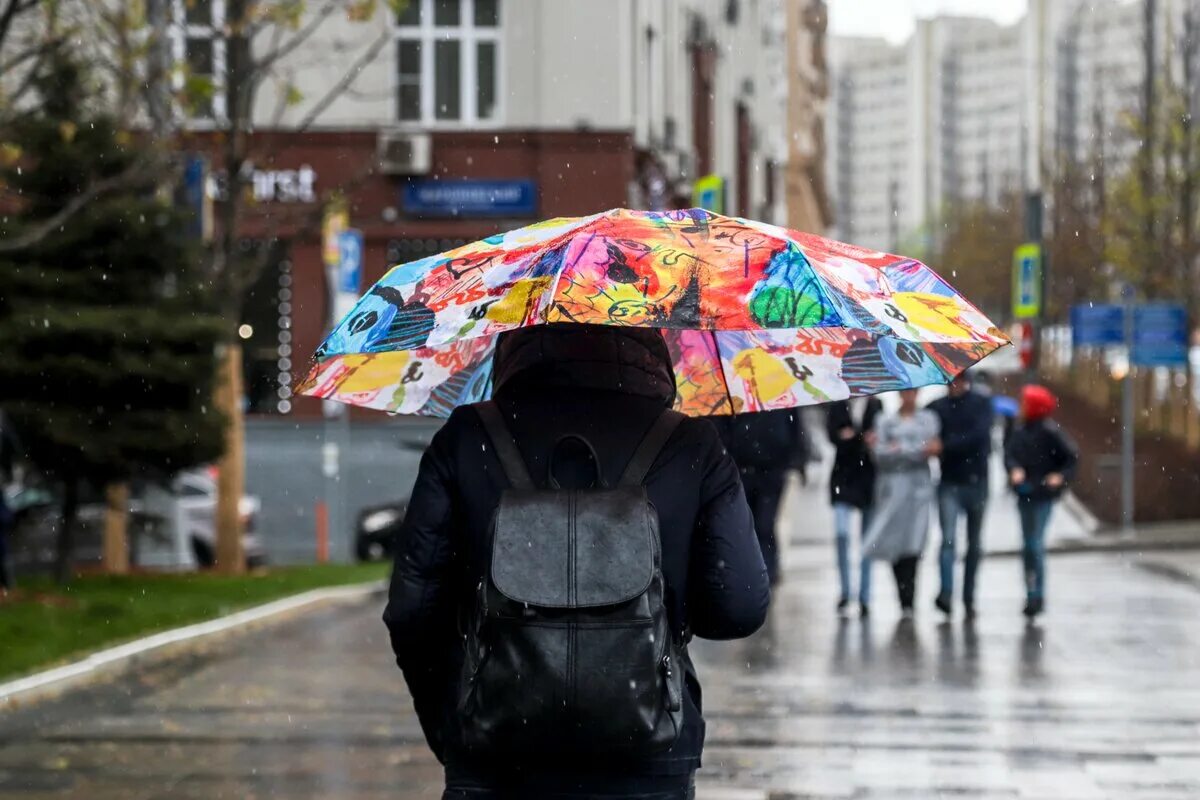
(76, 204)
(9, 13)
(303, 35)
(351, 75)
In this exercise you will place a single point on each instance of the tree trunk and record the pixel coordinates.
(116, 529)
(231, 474)
(64, 558)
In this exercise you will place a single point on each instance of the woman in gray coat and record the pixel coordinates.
(902, 443)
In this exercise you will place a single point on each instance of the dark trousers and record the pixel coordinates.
(764, 492)
(5, 526)
(681, 787)
(905, 571)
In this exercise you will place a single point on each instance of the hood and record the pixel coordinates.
(599, 357)
(1037, 402)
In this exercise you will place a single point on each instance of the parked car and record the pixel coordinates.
(170, 527)
(376, 529)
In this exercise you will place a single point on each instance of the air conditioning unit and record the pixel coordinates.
(404, 153)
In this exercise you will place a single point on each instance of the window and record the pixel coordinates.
(198, 47)
(448, 61)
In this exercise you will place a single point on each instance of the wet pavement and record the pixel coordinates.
(1101, 700)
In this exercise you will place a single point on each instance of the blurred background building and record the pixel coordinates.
(970, 110)
(457, 119)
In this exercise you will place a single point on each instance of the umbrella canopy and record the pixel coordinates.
(757, 317)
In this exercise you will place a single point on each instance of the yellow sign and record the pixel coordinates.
(336, 220)
(1027, 281)
(709, 192)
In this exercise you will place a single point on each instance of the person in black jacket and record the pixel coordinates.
(8, 450)
(852, 487)
(765, 446)
(1041, 461)
(966, 417)
(609, 385)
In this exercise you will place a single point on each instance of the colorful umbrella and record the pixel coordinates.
(757, 317)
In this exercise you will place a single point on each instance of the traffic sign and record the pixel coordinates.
(1160, 335)
(709, 192)
(1097, 324)
(1027, 281)
(350, 258)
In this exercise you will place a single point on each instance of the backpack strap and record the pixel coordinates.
(506, 447)
(647, 452)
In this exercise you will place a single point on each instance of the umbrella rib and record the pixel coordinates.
(721, 366)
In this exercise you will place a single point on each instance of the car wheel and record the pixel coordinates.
(375, 552)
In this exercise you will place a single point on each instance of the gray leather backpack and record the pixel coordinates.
(568, 648)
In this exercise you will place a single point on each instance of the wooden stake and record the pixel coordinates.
(116, 529)
(231, 475)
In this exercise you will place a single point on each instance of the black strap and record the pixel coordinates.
(647, 452)
(506, 447)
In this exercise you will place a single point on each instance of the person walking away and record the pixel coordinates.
(966, 420)
(851, 488)
(902, 443)
(8, 448)
(1041, 461)
(765, 446)
(515, 637)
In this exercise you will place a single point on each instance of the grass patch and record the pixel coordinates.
(43, 624)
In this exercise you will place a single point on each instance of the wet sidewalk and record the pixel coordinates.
(1099, 701)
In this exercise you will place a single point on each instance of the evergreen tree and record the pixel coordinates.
(107, 328)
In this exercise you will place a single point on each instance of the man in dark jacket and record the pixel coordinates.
(608, 385)
(966, 417)
(852, 487)
(1041, 461)
(765, 446)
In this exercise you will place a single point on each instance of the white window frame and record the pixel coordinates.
(181, 31)
(469, 36)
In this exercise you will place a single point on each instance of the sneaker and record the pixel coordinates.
(943, 604)
(843, 607)
(1033, 607)
(864, 610)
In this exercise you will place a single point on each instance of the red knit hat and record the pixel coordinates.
(1037, 402)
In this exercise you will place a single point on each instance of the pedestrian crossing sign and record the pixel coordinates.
(1027, 281)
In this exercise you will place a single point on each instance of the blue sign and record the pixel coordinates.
(1097, 325)
(195, 196)
(1160, 335)
(350, 259)
(469, 198)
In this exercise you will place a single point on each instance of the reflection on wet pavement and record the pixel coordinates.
(1100, 701)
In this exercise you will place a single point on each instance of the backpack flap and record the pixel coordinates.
(574, 549)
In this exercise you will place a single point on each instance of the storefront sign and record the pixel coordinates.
(470, 198)
(270, 185)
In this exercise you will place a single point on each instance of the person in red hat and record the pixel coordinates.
(1041, 461)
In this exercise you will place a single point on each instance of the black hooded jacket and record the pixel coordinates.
(609, 385)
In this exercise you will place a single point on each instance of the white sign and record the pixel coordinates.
(271, 185)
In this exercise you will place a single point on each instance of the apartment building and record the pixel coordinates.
(968, 110)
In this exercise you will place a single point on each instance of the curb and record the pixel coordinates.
(114, 660)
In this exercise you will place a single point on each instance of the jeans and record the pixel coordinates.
(1035, 513)
(970, 499)
(841, 525)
